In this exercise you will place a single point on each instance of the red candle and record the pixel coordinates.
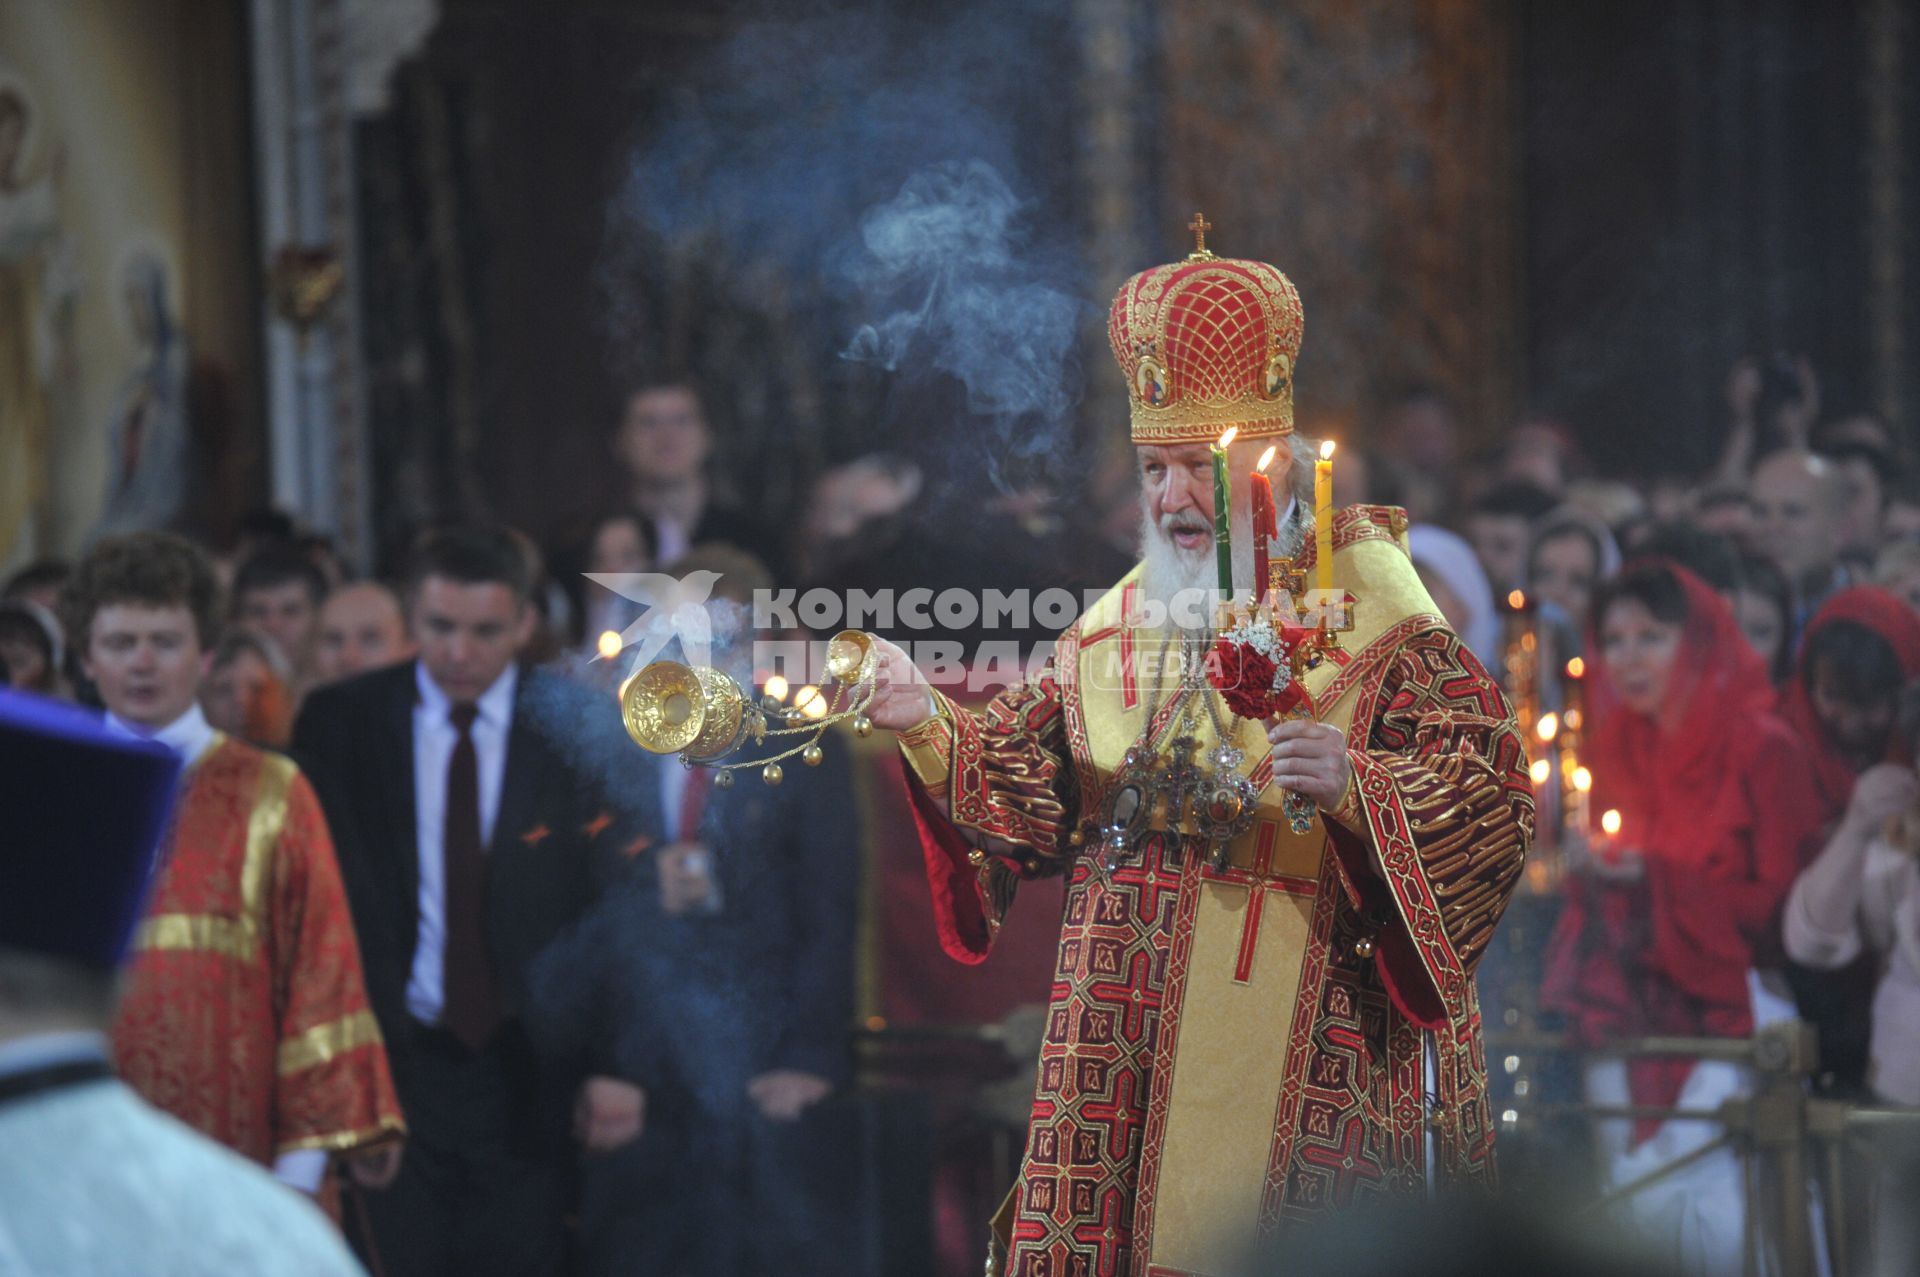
(1266, 525)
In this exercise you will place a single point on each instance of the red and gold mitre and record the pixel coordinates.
(1206, 343)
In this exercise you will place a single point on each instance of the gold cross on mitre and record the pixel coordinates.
(1199, 226)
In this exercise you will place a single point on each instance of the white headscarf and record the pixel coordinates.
(1451, 559)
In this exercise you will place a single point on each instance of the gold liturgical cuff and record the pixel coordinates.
(928, 747)
(1348, 812)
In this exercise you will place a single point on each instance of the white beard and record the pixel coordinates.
(1180, 583)
(1183, 582)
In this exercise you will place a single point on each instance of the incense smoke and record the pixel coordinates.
(859, 185)
(987, 313)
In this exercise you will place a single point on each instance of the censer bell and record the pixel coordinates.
(696, 710)
(703, 715)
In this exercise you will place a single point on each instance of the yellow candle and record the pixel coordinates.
(1323, 517)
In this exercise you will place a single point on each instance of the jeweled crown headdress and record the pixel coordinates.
(1205, 343)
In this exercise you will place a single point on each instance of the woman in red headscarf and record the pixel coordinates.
(1859, 651)
(1666, 922)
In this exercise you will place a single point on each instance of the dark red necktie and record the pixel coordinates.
(472, 1011)
(693, 803)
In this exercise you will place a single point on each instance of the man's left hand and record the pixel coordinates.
(375, 1167)
(784, 1094)
(1311, 759)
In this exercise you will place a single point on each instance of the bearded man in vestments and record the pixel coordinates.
(1244, 1029)
(245, 1014)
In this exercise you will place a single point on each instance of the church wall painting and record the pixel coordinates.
(127, 319)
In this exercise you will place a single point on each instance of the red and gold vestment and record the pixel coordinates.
(245, 1014)
(1231, 1048)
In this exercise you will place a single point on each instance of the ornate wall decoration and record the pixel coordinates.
(1363, 147)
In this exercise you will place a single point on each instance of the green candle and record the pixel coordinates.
(1223, 513)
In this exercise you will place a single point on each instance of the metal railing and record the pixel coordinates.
(1774, 1129)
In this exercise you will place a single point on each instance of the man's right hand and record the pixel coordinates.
(901, 697)
(1882, 792)
(608, 1113)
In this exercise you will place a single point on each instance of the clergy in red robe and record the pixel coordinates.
(245, 1015)
(1263, 1003)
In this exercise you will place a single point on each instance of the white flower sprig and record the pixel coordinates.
(1258, 633)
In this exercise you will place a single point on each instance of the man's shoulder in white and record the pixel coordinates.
(94, 1181)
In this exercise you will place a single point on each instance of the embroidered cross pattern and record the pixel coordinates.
(1258, 881)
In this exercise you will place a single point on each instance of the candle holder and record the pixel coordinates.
(704, 715)
(1265, 650)
(1286, 605)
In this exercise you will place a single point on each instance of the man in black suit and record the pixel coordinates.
(730, 974)
(469, 840)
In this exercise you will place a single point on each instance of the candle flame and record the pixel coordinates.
(1576, 668)
(1582, 779)
(1610, 822)
(1227, 437)
(609, 644)
(1572, 720)
(1517, 600)
(810, 702)
(1540, 770)
(1266, 458)
(1326, 450)
(777, 687)
(1547, 728)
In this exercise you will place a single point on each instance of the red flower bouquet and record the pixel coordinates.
(1252, 668)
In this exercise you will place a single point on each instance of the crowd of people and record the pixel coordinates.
(432, 941)
(1748, 650)
(545, 944)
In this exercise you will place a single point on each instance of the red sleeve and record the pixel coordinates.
(334, 1090)
(1010, 779)
(1788, 815)
(1445, 799)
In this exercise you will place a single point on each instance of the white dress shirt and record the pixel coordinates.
(671, 539)
(188, 736)
(673, 792)
(191, 736)
(434, 737)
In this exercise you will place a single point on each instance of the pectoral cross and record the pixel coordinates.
(1200, 226)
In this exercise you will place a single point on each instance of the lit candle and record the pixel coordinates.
(1223, 513)
(609, 644)
(1576, 693)
(1266, 526)
(1578, 808)
(1323, 518)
